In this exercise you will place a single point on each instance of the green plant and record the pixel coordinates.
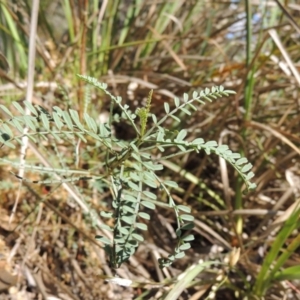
(128, 168)
(273, 268)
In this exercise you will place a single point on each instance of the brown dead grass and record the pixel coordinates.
(49, 243)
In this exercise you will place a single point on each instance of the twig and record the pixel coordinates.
(29, 94)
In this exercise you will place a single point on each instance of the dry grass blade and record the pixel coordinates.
(29, 92)
(285, 54)
(4, 65)
(276, 134)
(172, 47)
(289, 16)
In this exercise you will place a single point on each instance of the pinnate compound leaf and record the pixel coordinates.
(137, 166)
(90, 122)
(102, 239)
(68, 120)
(160, 148)
(30, 107)
(179, 255)
(192, 107)
(134, 176)
(185, 111)
(75, 117)
(175, 118)
(249, 175)
(246, 168)
(129, 198)
(198, 141)
(148, 204)
(7, 130)
(189, 218)
(181, 135)
(69, 136)
(188, 226)
(235, 155)
(57, 120)
(211, 144)
(94, 136)
(81, 136)
(57, 138)
(29, 121)
(151, 166)
(4, 140)
(6, 110)
(136, 157)
(185, 97)
(58, 110)
(185, 246)
(45, 121)
(150, 195)
(252, 186)
(171, 183)
(134, 186)
(105, 131)
(176, 101)
(119, 240)
(18, 107)
(17, 124)
(184, 208)
(128, 208)
(150, 183)
(128, 219)
(138, 237)
(149, 175)
(134, 147)
(167, 107)
(144, 215)
(106, 227)
(181, 147)
(157, 135)
(160, 136)
(106, 214)
(133, 243)
(154, 118)
(222, 148)
(241, 161)
(188, 238)
(141, 226)
(123, 230)
(195, 94)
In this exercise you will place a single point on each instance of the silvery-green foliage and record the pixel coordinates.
(129, 167)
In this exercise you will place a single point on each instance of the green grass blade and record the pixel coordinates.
(186, 279)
